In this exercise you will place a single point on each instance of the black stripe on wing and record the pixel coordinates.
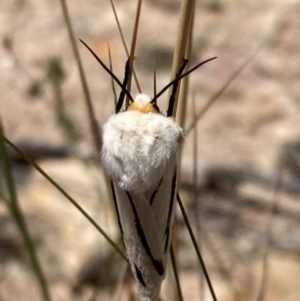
(156, 263)
(139, 276)
(155, 191)
(117, 210)
(171, 205)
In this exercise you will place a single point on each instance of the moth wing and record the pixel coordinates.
(142, 241)
(162, 201)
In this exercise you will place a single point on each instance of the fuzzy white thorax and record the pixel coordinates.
(139, 148)
(142, 99)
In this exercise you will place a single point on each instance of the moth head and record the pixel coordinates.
(143, 103)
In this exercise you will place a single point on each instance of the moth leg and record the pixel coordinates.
(174, 89)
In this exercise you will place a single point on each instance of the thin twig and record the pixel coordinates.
(41, 171)
(186, 12)
(264, 279)
(154, 79)
(217, 94)
(97, 139)
(196, 248)
(21, 223)
(196, 202)
(112, 80)
(133, 44)
(182, 105)
(124, 44)
(218, 260)
(174, 265)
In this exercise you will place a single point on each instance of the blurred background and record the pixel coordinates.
(244, 206)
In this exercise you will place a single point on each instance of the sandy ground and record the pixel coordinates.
(242, 141)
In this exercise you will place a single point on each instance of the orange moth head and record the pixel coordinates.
(142, 103)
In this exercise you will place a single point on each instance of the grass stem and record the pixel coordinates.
(20, 221)
(86, 215)
(197, 249)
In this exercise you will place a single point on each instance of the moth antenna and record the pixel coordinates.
(154, 81)
(175, 87)
(180, 77)
(122, 93)
(112, 81)
(107, 70)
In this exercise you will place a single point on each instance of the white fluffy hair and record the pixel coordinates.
(139, 148)
(142, 99)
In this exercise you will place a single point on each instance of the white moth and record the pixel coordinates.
(140, 148)
(139, 152)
